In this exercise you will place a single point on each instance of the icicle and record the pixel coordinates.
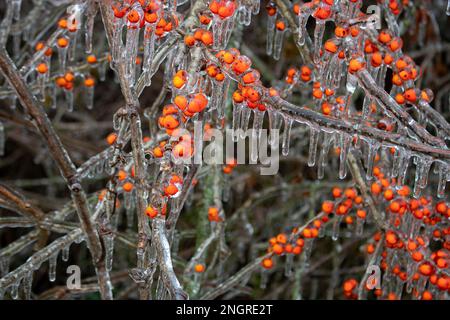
(274, 124)
(442, 180)
(15, 289)
(130, 218)
(258, 121)
(52, 267)
(371, 154)
(16, 4)
(219, 32)
(313, 140)
(422, 171)
(2, 139)
(65, 253)
(245, 119)
(352, 83)
(149, 50)
(54, 96)
(336, 227)
(117, 43)
(366, 107)
(448, 8)
(237, 109)
(278, 43)
(253, 141)
(326, 143)
(264, 278)
(62, 56)
(270, 33)
(359, 226)
(69, 99)
(102, 71)
(89, 98)
(109, 248)
(318, 37)
(4, 265)
(307, 250)
(27, 283)
(345, 146)
(131, 50)
(403, 168)
(132, 43)
(91, 13)
(288, 265)
(302, 21)
(286, 136)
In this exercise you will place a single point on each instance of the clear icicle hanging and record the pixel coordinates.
(422, 171)
(237, 109)
(245, 119)
(109, 249)
(288, 265)
(286, 136)
(14, 291)
(344, 150)
(443, 173)
(52, 267)
(131, 50)
(270, 33)
(403, 167)
(448, 8)
(359, 226)
(63, 45)
(253, 146)
(278, 41)
(16, 4)
(302, 21)
(307, 250)
(4, 265)
(313, 141)
(65, 253)
(2, 139)
(336, 227)
(318, 36)
(258, 121)
(326, 144)
(371, 154)
(117, 42)
(89, 26)
(89, 84)
(220, 30)
(149, 50)
(264, 278)
(134, 20)
(69, 99)
(274, 125)
(27, 283)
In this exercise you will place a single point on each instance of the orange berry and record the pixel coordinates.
(151, 212)
(127, 186)
(199, 268)
(42, 68)
(267, 263)
(111, 138)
